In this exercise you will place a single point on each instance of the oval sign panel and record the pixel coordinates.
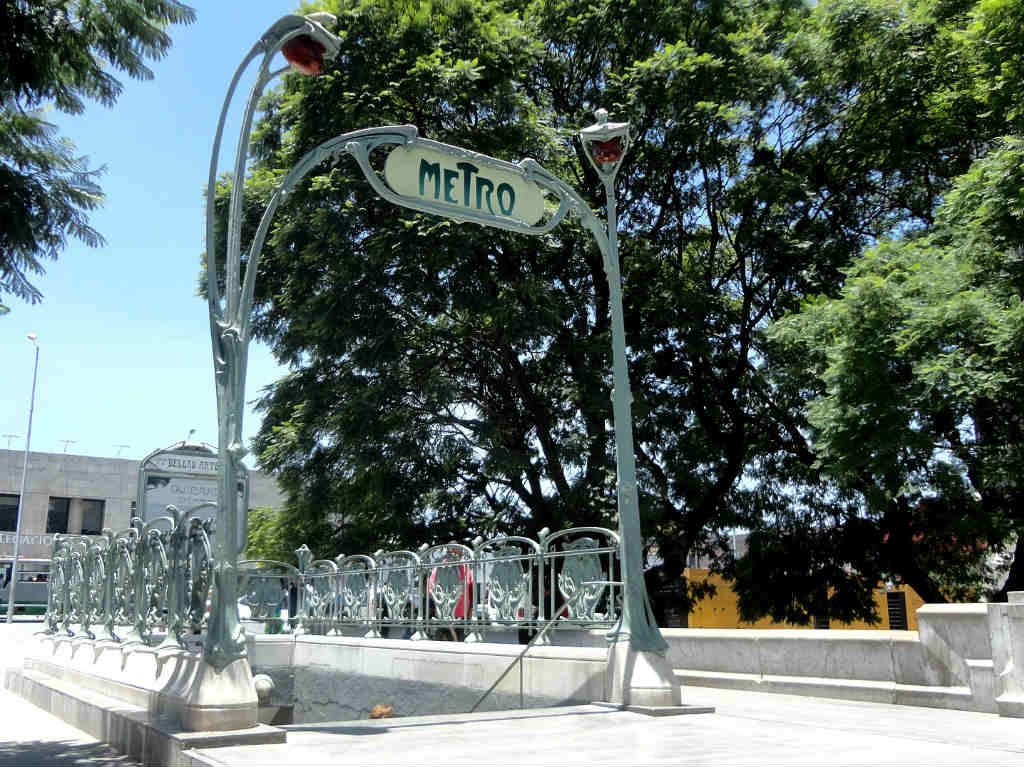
(463, 183)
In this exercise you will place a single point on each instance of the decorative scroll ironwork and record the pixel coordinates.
(317, 597)
(151, 571)
(399, 600)
(265, 587)
(122, 581)
(507, 571)
(151, 583)
(449, 587)
(582, 564)
(147, 583)
(200, 572)
(355, 590)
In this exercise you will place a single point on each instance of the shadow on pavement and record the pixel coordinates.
(364, 728)
(57, 753)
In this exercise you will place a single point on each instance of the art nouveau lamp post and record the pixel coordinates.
(223, 695)
(605, 145)
(638, 669)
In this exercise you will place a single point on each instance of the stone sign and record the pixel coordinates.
(185, 476)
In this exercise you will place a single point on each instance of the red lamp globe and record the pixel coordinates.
(605, 144)
(305, 54)
(608, 151)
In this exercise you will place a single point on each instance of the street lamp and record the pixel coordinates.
(639, 672)
(306, 44)
(21, 495)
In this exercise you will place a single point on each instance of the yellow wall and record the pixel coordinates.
(721, 612)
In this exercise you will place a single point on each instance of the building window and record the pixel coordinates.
(8, 513)
(57, 515)
(92, 517)
(896, 604)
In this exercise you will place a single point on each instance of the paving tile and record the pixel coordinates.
(747, 728)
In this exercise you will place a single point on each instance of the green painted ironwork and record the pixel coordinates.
(505, 584)
(230, 330)
(231, 321)
(143, 584)
(150, 584)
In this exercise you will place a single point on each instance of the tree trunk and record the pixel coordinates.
(1015, 578)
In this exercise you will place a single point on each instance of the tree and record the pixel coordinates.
(268, 536)
(449, 381)
(898, 503)
(918, 370)
(61, 53)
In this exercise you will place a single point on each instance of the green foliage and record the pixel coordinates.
(61, 53)
(48, 191)
(268, 536)
(918, 368)
(449, 380)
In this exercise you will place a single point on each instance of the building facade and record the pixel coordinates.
(80, 494)
(895, 605)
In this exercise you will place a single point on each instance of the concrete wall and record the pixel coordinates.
(966, 656)
(337, 677)
(947, 663)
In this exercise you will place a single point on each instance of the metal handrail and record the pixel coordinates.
(536, 637)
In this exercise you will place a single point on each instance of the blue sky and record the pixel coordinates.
(125, 348)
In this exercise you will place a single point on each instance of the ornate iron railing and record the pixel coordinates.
(147, 583)
(451, 591)
(151, 583)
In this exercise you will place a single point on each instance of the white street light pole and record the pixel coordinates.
(21, 496)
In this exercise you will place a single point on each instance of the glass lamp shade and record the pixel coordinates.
(305, 54)
(606, 152)
(605, 144)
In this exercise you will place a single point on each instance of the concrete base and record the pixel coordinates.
(167, 682)
(948, 665)
(132, 730)
(840, 689)
(1006, 627)
(641, 678)
(221, 700)
(561, 675)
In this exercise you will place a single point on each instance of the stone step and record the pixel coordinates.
(151, 739)
(931, 696)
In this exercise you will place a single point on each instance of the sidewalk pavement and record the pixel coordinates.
(747, 728)
(30, 737)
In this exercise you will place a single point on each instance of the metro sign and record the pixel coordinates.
(454, 179)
